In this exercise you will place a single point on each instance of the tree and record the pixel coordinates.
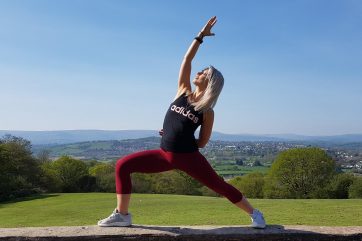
(104, 174)
(170, 182)
(142, 182)
(188, 185)
(355, 190)
(205, 191)
(70, 171)
(251, 185)
(274, 190)
(49, 178)
(339, 185)
(19, 171)
(166, 182)
(239, 162)
(43, 156)
(301, 172)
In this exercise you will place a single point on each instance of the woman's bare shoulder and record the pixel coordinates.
(208, 114)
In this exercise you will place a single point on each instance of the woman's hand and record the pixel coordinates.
(206, 30)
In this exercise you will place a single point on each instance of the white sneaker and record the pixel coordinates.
(116, 220)
(257, 219)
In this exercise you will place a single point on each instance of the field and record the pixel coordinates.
(160, 209)
(239, 170)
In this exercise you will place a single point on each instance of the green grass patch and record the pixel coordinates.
(75, 209)
(242, 170)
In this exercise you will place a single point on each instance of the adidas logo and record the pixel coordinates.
(181, 111)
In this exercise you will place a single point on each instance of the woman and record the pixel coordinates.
(179, 148)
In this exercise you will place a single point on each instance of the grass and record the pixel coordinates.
(242, 170)
(161, 209)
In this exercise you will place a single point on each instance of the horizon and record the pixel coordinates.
(289, 66)
(214, 131)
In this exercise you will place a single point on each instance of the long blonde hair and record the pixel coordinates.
(212, 91)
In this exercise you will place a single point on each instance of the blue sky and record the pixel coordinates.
(289, 66)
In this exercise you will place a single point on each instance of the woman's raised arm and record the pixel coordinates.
(185, 69)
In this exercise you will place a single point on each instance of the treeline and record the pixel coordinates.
(301, 173)
(22, 174)
(296, 173)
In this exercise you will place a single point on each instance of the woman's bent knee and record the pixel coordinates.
(122, 165)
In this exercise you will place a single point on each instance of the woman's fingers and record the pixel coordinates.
(213, 20)
(206, 30)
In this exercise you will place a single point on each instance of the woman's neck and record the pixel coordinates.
(197, 94)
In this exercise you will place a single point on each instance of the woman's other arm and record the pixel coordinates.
(206, 129)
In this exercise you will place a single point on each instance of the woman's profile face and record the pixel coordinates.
(201, 78)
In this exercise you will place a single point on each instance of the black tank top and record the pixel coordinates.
(179, 126)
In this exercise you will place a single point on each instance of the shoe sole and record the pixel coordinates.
(115, 225)
(259, 227)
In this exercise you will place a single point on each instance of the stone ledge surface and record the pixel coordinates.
(151, 232)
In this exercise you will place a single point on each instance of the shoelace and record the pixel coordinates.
(112, 216)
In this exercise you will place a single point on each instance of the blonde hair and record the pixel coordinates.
(212, 91)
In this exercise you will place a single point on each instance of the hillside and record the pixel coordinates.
(100, 150)
(73, 136)
(226, 153)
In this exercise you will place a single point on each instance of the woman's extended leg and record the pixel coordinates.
(196, 165)
(245, 205)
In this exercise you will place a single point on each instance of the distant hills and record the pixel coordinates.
(73, 136)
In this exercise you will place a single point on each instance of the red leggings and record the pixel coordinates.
(152, 161)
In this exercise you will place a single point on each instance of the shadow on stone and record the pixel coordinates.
(215, 230)
(183, 233)
(271, 232)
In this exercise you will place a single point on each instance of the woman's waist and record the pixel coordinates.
(179, 145)
(178, 137)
